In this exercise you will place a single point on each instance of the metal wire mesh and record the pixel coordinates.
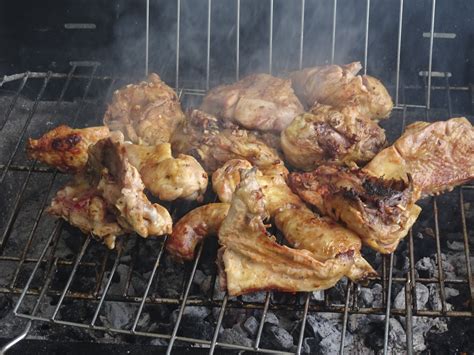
(40, 270)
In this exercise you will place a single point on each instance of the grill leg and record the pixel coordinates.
(16, 340)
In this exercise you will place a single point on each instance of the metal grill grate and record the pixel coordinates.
(42, 273)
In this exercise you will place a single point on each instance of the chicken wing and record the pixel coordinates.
(120, 185)
(166, 177)
(300, 226)
(335, 135)
(258, 101)
(64, 147)
(380, 211)
(193, 227)
(250, 260)
(81, 205)
(340, 86)
(146, 113)
(438, 156)
(202, 137)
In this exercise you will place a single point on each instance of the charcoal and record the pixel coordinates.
(325, 328)
(118, 281)
(317, 295)
(254, 297)
(435, 298)
(366, 296)
(272, 318)
(358, 323)
(203, 281)
(195, 328)
(274, 337)
(377, 293)
(458, 261)
(455, 245)
(451, 292)
(117, 314)
(232, 336)
(191, 312)
(423, 325)
(158, 342)
(251, 326)
(422, 295)
(310, 345)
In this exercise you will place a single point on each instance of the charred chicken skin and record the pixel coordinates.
(438, 156)
(335, 135)
(64, 147)
(340, 86)
(202, 137)
(380, 211)
(300, 226)
(166, 177)
(121, 186)
(259, 101)
(81, 205)
(251, 260)
(146, 113)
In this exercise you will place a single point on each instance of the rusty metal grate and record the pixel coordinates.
(42, 273)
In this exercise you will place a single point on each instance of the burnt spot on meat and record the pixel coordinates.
(66, 143)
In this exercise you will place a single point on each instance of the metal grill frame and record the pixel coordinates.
(47, 256)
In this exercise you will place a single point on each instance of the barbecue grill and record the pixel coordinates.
(59, 276)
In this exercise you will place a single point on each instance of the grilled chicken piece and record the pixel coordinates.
(146, 113)
(300, 226)
(166, 177)
(81, 205)
(202, 137)
(120, 185)
(380, 211)
(259, 101)
(438, 156)
(251, 260)
(335, 135)
(340, 86)
(325, 239)
(193, 227)
(64, 147)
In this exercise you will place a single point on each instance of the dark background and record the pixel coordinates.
(33, 37)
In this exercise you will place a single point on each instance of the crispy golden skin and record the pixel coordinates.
(193, 227)
(300, 226)
(335, 135)
(380, 211)
(64, 147)
(251, 260)
(258, 101)
(166, 177)
(81, 205)
(340, 86)
(203, 138)
(438, 156)
(121, 186)
(146, 113)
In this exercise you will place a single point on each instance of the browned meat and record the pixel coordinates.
(300, 226)
(380, 211)
(146, 113)
(64, 147)
(340, 86)
(335, 135)
(258, 101)
(166, 177)
(120, 185)
(81, 205)
(250, 260)
(202, 137)
(438, 156)
(193, 227)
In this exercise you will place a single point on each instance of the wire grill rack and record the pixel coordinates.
(41, 271)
